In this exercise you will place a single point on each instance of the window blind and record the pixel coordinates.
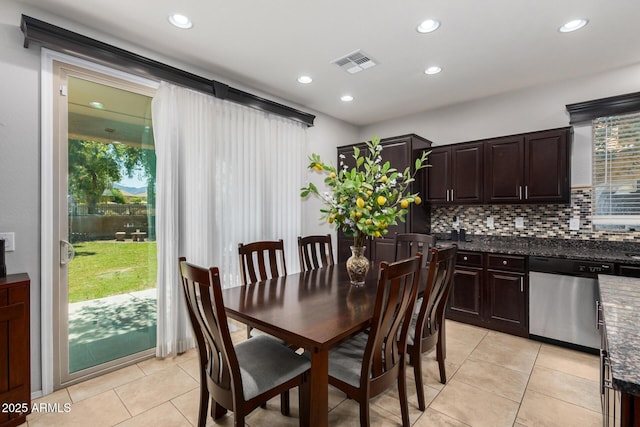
(616, 170)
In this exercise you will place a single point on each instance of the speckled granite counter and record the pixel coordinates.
(559, 248)
(620, 299)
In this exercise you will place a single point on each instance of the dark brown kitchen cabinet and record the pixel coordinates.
(401, 152)
(507, 294)
(15, 377)
(528, 168)
(490, 290)
(456, 174)
(465, 297)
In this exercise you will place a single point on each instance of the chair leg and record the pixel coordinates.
(304, 399)
(440, 355)
(284, 403)
(416, 361)
(217, 411)
(364, 413)
(238, 420)
(204, 401)
(402, 391)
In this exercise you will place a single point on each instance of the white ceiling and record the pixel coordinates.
(485, 47)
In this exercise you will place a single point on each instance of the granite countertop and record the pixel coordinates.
(557, 248)
(620, 300)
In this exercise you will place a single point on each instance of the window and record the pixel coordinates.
(616, 172)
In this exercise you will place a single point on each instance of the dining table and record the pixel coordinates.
(315, 310)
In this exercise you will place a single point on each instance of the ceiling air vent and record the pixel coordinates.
(354, 62)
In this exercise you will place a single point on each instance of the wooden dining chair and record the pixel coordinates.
(315, 252)
(242, 377)
(371, 362)
(409, 244)
(261, 261)
(427, 325)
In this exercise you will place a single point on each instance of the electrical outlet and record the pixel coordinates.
(574, 223)
(519, 222)
(9, 241)
(490, 223)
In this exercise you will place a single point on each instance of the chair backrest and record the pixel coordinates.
(438, 285)
(315, 252)
(395, 299)
(409, 244)
(261, 261)
(218, 362)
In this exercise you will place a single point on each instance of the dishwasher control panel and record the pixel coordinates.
(575, 267)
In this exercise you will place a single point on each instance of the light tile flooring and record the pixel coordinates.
(493, 380)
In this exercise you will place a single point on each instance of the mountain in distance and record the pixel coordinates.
(131, 191)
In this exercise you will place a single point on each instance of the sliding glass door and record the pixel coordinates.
(105, 296)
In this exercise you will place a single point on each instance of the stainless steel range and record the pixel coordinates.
(562, 300)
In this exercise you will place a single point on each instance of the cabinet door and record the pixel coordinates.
(507, 302)
(546, 166)
(466, 173)
(398, 153)
(504, 159)
(465, 299)
(438, 182)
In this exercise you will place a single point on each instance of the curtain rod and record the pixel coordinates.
(60, 39)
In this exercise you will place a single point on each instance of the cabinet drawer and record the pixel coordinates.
(473, 259)
(506, 262)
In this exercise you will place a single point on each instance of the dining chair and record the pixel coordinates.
(315, 252)
(409, 244)
(242, 377)
(261, 261)
(427, 323)
(372, 361)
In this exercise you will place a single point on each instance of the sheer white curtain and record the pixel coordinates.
(225, 174)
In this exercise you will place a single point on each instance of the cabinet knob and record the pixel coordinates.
(464, 258)
(504, 262)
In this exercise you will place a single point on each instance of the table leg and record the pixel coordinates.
(319, 379)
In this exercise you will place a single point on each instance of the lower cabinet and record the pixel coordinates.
(15, 379)
(490, 290)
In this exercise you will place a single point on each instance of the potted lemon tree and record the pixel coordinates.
(365, 200)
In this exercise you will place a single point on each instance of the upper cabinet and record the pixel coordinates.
(528, 168)
(525, 168)
(456, 174)
(400, 152)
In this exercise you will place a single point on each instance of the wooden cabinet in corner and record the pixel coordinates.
(15, 371)
(529, 168)
(400, 151)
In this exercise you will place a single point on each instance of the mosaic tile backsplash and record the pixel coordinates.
(544, 220)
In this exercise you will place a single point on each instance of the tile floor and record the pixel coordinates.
(493, 380)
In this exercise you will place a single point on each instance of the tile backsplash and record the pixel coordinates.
(543, 220)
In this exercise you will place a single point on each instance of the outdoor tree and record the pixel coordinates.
(93, 167)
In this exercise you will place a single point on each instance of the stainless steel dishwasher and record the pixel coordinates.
(562, 301)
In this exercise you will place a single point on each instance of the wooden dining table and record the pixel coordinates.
(315, 310)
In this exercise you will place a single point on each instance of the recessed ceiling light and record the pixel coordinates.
(96, 104)
(574, 25)
(346, 98)
(305, 79)
(428, 26)
(433, 70)
(180, 21)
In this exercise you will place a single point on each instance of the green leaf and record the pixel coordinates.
(356, 152)
(313, 188)
(360, 161)
(304, 193)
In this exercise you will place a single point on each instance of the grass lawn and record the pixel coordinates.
(104, 268)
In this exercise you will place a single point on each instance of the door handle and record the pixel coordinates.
(522, 284)
(452, 194)
(67, 253)
(520, 192)
(526, 192)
